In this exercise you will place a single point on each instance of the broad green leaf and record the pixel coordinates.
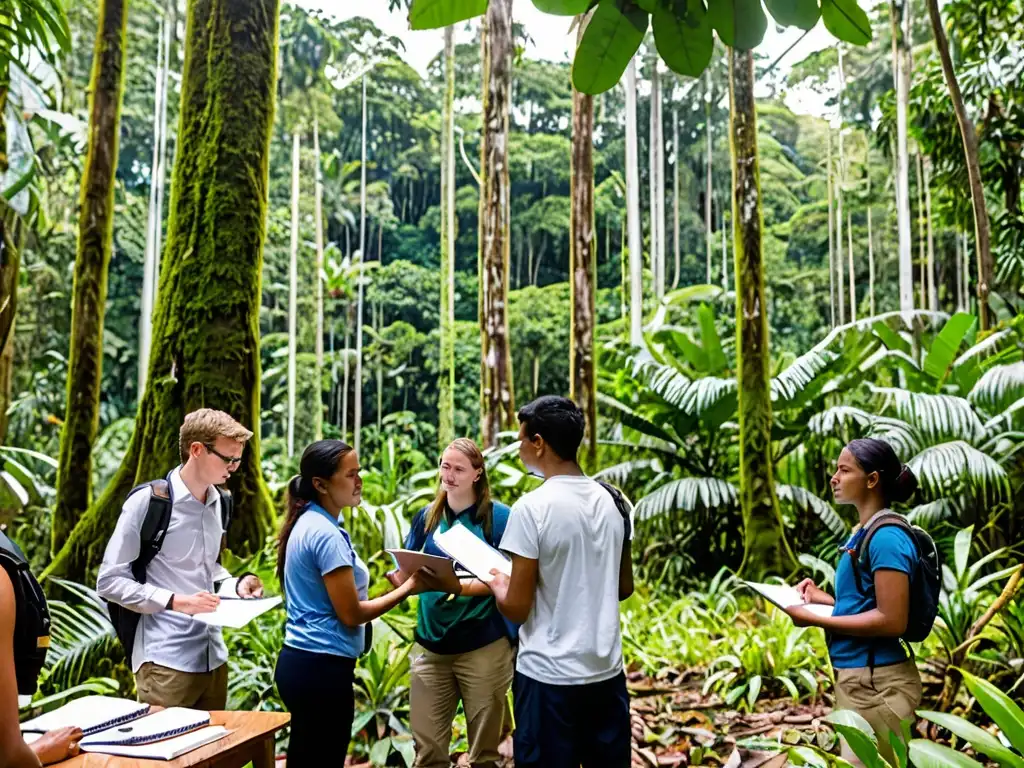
(710, 340)
(562, 7)
(803, 14)
(928, 754)
(360, 722)
(612, 36)
(434, 14)
(946, 344)
(858, 734)
(683, 36)
(890, 338)
(740, 23)
(962, 550)
(21, 182)
(754, 690)
(1001, 708)
(846, 20)
(980, 739)
(379, 752)
(899, 748)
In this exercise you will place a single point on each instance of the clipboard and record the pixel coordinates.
(409, 561)
(784, 596)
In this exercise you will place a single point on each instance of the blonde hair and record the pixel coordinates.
(205, 426)
(439, 505)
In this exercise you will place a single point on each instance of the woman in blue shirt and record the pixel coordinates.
(467, 653)
(875, 674)
(325, 586)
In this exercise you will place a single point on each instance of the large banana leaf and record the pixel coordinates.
(936, 417)
(943, 468)
(998, 387)
(688, 494)
(806, 501)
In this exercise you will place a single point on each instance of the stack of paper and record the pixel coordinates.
(90, 713)
(785, 596)
(472, 553)
(164, 724)
(167, 749)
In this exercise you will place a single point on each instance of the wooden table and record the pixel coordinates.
(251, 738)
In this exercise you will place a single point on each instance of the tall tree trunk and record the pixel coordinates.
(933, 291)
(95, 243)
(901, 75)
(840, 182)
(497, 399)
(958, 272)
(659, 168)
(871, 241)
(154, 218)
(318, 222)
(652, 180)
(708, 186)
(853, 276)
(583, 268)
(969, 137)
(446, 367)
(765, 546)
(344, 375)
(675, 199)
(11, 238)
(378, 325)
(921, 256)
(293, 293)
(357, 394)
(831, 229)
(725, 251)
(636, 307)
(205, 327)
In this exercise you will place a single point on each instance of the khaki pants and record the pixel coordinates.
(480, 678)
(170, 688)
(884, 699)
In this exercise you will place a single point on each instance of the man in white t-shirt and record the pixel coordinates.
(571, 565)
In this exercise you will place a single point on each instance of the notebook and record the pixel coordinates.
(168, 749)
(785, 596)
(410, 561)
(90, 713)
(474, 554)
(169, 722)
(237, 612)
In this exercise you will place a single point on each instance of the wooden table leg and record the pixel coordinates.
(263, 753)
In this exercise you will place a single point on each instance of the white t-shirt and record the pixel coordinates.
(572, 527)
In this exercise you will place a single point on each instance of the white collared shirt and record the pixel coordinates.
(186, 564)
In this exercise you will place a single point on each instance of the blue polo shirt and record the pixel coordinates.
(892, 549)
(446, 624)
(318, 545)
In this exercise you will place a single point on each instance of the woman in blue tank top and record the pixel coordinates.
(875, 672)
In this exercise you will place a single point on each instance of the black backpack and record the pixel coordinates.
(622, 505)
(925, 581)
(31, 617)
(154, 528)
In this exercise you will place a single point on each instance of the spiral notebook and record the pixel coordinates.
(164, 724)
(167, 749)
(90, 713)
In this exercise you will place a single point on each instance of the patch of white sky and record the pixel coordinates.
(550, 39)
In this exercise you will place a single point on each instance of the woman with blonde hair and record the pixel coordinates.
(467, 650)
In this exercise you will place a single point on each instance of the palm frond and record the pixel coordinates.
(688, 494)
(630, 418)
(983, 347)
(83, 643)
(832, 421)
(705, 393)
(667, 382)
(806, 501)
(944, 468)
(936, 417)
(902, 436)
(618, 474)
(801, 372)
(928, 515)
(901, 320)
(998, 387)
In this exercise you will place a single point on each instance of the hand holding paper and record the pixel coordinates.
(785, 596)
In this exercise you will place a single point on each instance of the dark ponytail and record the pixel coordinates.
(320, 459)
(897, 479)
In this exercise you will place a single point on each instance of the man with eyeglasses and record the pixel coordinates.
(178, 661)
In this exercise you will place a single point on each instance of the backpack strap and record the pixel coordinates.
(227, 508)
(154, 526)
(624, 507)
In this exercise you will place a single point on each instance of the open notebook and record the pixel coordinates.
(90, 713)
(168, 749)
(169, 722)
(785, 596)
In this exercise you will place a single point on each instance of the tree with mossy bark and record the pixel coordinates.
(92, 261)
(205, 326)
(765, 547)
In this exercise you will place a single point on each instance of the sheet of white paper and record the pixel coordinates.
(237, 613)
(164, 750)
(474, 554)
(785, 596)
(88, 713)
(155, 727)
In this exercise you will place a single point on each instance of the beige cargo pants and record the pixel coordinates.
(481, 679)
(885, 698)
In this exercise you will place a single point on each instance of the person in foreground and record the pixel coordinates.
(571, 565)
(467, 650)
(24, 636)
(325, 588)
(876, 675)
(177, 661)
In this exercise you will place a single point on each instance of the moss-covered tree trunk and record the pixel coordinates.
(765, 546)
(497, 400)
(9, 231)
(583, 269)
(205, 326)
(95, 241)
(446, 366)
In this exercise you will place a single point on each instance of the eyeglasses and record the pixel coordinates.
(229, 460)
